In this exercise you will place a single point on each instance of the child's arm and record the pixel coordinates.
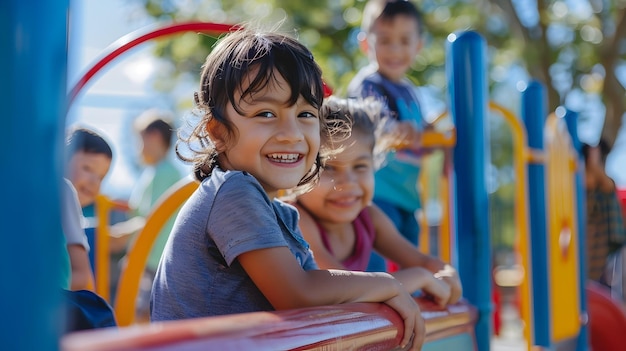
(311, 233)
(392, 245)
(418, 278)
(286, 285)
(82, 276)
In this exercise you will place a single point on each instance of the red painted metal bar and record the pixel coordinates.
(353, 326)
(621, 195)
(607, 318)
(133, 39)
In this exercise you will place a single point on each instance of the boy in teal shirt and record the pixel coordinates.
(391, 37)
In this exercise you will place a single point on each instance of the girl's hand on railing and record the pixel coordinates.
(409, 311)
(450, 276)
(439, 290)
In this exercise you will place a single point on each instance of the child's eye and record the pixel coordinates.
(362, 167)
(307, 115)
(265, 114)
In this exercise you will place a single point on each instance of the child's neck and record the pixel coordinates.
(398, 80)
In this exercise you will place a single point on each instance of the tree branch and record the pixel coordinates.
(516, 24)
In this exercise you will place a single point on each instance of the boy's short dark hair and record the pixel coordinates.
(154, 120)
(88, 141)
(388, 9)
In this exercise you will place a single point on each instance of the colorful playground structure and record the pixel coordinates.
(560, 311)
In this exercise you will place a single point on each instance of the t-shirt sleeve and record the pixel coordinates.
(71, 214)
(292, 218)
(242, 218)
(370, 89)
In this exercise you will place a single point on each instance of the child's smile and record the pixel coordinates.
(285, 158)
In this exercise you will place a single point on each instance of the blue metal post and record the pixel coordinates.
(33, 63)
(571, 119)
(467, 82)
(534, 114)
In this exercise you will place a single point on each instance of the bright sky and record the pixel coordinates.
(115, 95)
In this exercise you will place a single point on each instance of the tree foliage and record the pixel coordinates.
(575, 47)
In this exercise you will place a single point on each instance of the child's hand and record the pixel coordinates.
(414, 329)
(408, 135)
(450, 276)
(439, 290)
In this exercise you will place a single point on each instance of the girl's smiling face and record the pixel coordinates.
(273, 141)
(346, 186)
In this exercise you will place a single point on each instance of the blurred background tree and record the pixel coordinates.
(577, 48)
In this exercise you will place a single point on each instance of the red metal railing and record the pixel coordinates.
(355, 326)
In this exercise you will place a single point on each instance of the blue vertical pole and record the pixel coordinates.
(467, 83)
(534, 114)
(571, 119)
(32, 95)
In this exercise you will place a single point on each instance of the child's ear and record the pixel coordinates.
(420, 44)
(363, 44)
(217, 134)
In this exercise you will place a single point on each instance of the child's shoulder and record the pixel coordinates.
(237, 184)
(220, 176)
(288, 211)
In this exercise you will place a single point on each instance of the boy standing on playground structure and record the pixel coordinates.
(391, 38)
(235, 247)
(342, 225)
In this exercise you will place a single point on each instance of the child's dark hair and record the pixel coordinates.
(368, 117)
(256, 57)
(386, 10)
(154, 120)
(88, 141)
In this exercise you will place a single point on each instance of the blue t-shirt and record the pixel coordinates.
(396, 181)
(199, 274)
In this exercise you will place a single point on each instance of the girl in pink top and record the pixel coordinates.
(341, 223)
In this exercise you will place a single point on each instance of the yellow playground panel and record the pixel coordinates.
(561, 164)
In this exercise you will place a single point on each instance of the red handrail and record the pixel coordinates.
(135, 38)
(354, 326)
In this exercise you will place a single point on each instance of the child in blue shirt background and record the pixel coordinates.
(391, 37)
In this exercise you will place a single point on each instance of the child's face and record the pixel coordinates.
(395, 43)
(153, 148)
(86, 172)
(274, 142)
(346, 186)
